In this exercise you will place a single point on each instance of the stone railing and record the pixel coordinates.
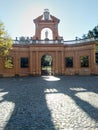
(79, 41)
(54, 41)
(38, 42)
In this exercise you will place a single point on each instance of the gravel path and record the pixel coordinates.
(49, 103)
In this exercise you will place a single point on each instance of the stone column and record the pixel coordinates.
(62, 54)
(76, 62)
(17, 63)
(37, 62)
(30, 63)
(92, 60)
(56, 71)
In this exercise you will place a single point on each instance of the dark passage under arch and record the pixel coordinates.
(46, 65)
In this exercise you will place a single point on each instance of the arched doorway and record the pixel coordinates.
(46, 64)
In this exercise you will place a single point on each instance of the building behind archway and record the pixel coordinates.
(78, 57)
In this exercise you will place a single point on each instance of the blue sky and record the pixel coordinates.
(77, 17)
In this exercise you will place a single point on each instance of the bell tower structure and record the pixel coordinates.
(46, 21)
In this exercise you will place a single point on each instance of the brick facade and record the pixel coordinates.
(57, 49)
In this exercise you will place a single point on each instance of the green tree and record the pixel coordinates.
(90, 34)
(5, 43)
(93, 33)
(84, 36)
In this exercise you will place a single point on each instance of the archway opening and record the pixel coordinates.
(46, 65)
(46, 34)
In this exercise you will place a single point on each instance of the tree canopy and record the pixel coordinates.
(5, 44)
(93, 33)
(90, 34)
(5, 41)
(46, 60)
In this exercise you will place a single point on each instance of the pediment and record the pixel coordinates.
(51, 18)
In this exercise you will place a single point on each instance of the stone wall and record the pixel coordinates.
(59, 52)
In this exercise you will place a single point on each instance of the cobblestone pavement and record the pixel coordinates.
(49, 103)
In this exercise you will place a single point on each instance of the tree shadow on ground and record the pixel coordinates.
(71, 86)
(31, 110)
